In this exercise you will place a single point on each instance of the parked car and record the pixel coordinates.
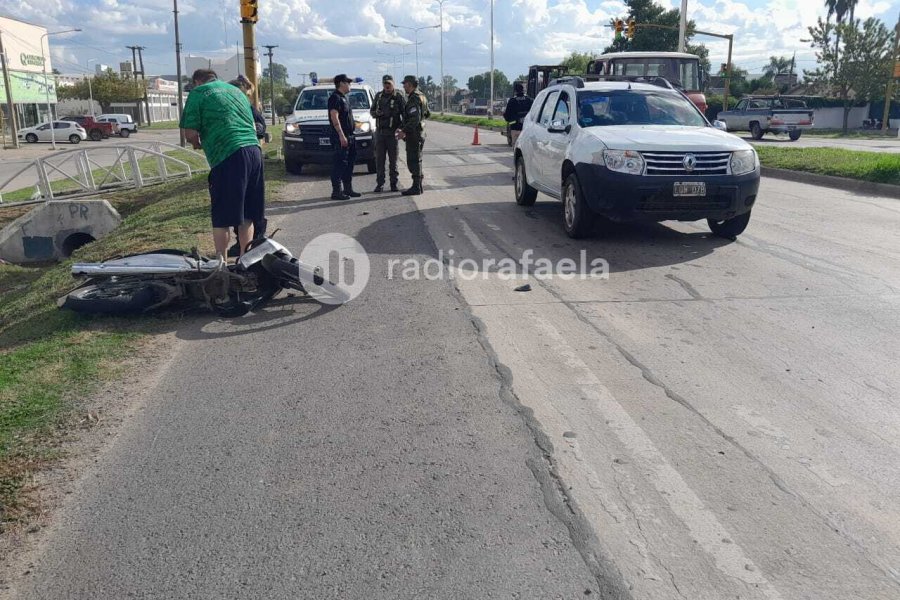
(769, 114)
(96, 130)
(307, 133)
(633, 151)
(63, 131)
(127, 126)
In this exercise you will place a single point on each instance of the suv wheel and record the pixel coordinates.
(579, 218)
(730, 228)
(794, 135)
(124, 132)
(293, 167)
(525, 194)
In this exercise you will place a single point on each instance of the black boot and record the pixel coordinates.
(414, 190)
(379, 188)
(351, 194)
(394, 186)
(337, 194)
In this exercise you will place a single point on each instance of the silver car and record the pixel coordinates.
(63, 131)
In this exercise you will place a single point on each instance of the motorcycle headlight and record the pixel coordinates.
(743, 162)
(292, 128)
(362, 127)
(624, 161)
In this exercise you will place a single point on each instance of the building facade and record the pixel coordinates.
(27, 59)
(226, 67)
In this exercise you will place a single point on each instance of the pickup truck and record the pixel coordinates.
(769, 114)
(96, 130)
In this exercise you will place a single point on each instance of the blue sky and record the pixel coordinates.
(330, 36)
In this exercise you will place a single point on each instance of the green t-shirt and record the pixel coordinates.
(222, 115)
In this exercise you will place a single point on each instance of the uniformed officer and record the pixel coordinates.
(516, 110)
(412, 129)
(340, 116)
(388, 112)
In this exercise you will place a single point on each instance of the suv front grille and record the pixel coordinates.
(315, 130)
(672, 163)
(664, 203)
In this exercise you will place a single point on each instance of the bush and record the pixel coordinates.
(714, 105)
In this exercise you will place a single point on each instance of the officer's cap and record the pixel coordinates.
(411, 79)
(387, 79)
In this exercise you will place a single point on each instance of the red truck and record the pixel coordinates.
(95, 129)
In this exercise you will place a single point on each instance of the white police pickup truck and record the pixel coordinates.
(307, 133)
(633, 149)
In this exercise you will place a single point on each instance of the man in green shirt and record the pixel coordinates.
(217, 118)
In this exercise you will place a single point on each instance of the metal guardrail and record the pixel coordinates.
(88, 176)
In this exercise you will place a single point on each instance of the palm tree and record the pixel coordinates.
(777, 64)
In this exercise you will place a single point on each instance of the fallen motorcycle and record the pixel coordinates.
(144, 282)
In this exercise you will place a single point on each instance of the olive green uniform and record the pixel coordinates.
(414, 114)
(388, 112)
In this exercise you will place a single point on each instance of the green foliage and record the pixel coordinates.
(107, 88)
(878, 167)
(279, 72)
(856, 71)
(715, 105)
(480, 85)
(577, 62)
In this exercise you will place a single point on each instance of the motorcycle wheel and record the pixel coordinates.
(111, 299)
(288, 273)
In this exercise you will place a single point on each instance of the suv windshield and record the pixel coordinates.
(318, 99)
(636, 107)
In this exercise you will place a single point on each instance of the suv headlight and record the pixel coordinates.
(362, 127)
(624, 161)
(292, 128)
(743, 162)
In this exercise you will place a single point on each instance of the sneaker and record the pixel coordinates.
(352, 194)
(339, 196)
(413, 191)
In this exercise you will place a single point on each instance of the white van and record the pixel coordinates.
(127, 126)
(307, 132)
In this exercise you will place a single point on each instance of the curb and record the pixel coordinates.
(840, 183)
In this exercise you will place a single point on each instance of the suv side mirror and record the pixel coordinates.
(720, 125)
(559, 126)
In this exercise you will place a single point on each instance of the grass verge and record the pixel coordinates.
(50, 360)
(877, 167)
(466, 120)
(864, 134)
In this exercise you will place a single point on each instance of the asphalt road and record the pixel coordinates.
(715, 420)
(885, 144)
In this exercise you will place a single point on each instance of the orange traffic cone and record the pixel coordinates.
(475, 141)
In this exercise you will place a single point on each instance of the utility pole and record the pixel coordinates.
(889, 91)
(178, 74)
(443, 83)
(134, 69)
(682, 28)
(491, 101)
(271, 81)
(249, 17)
(144, 80)
(9, 97)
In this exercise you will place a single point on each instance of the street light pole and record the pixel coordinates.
(416, 31)
(46, 83)
(443, 83)
(403, 53)
(90, 87)
(271, 82)
(491, 101)
(178, 71)
(682, 28)
(11, 107)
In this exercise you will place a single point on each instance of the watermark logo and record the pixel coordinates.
(448, 264)
(334, 268)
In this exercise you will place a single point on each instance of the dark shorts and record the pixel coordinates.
(237, 188)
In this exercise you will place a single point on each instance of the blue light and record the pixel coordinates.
(359, 80)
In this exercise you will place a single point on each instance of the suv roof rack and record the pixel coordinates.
(651, 79)
(572, 79)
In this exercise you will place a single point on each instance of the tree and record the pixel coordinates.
(107, 88)
(280, 73)
(577, 62)
(480, 85)
(866, 57)
(450, 84)
(778, 64)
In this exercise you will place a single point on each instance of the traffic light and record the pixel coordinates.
(631, 27)
(619, 25)
(249, 11)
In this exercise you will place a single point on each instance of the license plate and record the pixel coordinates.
(324, 141)
(692, 188)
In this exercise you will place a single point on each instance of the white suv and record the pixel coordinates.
(633, 149)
